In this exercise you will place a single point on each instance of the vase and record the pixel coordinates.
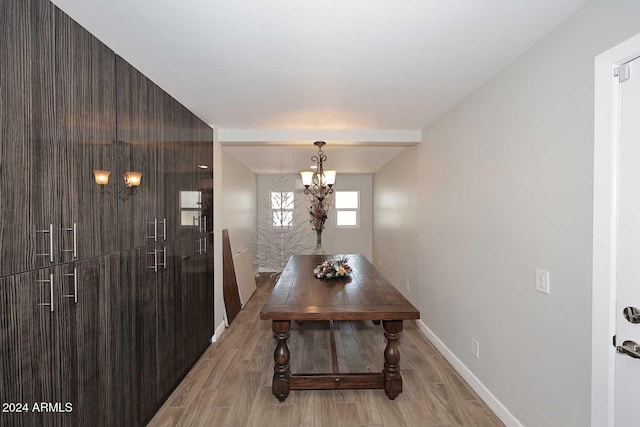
(318, 250)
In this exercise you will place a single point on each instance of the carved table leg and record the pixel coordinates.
(281, 369)
(391, 371)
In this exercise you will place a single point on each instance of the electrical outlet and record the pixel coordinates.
(542, 282)
(475, 348)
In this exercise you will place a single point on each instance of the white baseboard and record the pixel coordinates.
(485, 394)
(218, 333)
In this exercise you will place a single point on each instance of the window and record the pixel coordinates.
(347, 209)
(282, 208)
(190, 208)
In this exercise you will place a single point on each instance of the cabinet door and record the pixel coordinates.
(87, 328)
(28, 346)
(209, 325)
(85, 108)
(139, 337)
(175, 176)
(136, 151)
(171, 325)
(28, 208)
(203, 169)
(200, 309)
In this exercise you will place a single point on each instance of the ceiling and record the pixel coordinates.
(284, 159)
(313, 65)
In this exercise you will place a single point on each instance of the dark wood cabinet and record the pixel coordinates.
(28, 345)
(28, 149)
(106, 292)
(59, 344)
(88, 341)
(137, 138)
(172, 327)
(85, 111)
(139, 333)
(203, 170)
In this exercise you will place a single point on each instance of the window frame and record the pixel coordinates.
(356, 210)
(281, 209)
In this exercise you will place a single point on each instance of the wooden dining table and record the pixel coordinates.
(363, 295)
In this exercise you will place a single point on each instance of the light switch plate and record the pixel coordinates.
(542, 282)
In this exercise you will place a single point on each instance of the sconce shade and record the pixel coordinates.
(132, 179)
(307, 177)
(330, 177)
(101, 177)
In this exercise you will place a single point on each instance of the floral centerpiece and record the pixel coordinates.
(332, 268)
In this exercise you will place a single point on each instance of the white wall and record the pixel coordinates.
(395, 236)
(505, 187)
(239, 203)
(352, 240)
(343, 240)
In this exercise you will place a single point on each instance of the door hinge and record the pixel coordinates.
(614, 342)
(623, 72)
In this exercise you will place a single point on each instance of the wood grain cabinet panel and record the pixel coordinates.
(139, 335)
(85, 111)
(172, 327)
(175, 152)
(137, 137)
(28, 152)
(203, 170)
(28, 346)
(88, 341)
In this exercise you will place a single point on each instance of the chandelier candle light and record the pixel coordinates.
(320, 185)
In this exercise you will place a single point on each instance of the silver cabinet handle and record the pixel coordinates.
(154, 267)
(164, 229)
(74, 230)
(154, 237)
(75, 285)
(199, 250)
(50, 232)
(164, 258)
(50, 282)
(205, 243)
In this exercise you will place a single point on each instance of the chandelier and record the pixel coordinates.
(319, 183)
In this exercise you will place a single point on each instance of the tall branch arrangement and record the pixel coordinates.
(276, 242)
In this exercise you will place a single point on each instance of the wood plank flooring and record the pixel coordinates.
(231, 383)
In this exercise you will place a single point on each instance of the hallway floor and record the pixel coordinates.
(231, 383)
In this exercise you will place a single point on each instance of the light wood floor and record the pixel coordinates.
(231, 383)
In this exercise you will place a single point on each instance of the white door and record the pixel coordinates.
(627, 367)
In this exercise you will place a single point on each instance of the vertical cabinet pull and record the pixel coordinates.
(164, 229)
(74, 231)
(164, 258)
(75, 285)
(50, 233)
(202, 224)
(202, 245)
(154, 236)
(50, 282)
(154, 267)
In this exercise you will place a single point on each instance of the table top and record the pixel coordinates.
(363, 295)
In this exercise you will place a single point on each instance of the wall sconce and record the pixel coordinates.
(131, 181)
